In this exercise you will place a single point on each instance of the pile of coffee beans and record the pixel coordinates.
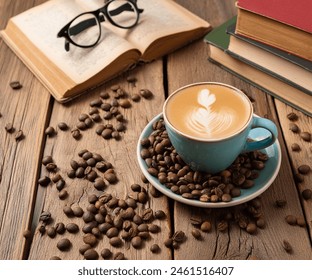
(88, 167)
(164, 163)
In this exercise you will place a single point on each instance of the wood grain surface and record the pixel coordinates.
(32, 109)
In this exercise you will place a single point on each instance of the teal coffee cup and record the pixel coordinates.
(209, 125)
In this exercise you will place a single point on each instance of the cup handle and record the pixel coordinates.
(263, 143)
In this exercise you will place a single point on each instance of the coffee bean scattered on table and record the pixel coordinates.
(15, 85)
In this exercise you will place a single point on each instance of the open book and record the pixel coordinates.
(163, 27)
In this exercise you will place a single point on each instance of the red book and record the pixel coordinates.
(297, 13)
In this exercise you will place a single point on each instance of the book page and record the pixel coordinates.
(41, 25)
(160, 18)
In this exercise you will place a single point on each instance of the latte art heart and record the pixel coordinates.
(208, 111)
(208, 119)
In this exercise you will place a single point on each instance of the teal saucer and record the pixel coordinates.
(266, 178)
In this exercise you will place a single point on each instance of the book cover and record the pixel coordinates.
(296, 13)
(271, 60)
(218, 42)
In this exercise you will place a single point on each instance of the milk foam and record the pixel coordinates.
(207, 119)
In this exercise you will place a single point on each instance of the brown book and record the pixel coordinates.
(218, 41)
(274, 33)
(163, 27)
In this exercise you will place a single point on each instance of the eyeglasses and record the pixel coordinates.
(85, 29)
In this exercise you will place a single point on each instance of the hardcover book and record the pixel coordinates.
(295, 13)
(218, 41)
(292, 70)
(163, 26)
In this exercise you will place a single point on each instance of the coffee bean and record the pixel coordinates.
(168, 242)
(50, 131)
(72, 228)
(76, 134)
(74, 164)
(64, 244)
(62, 126)
(83, 248)
(292, 116)
(287, 247)
(46, 160)
(251, 228)
(68, 211)
(106, 253)
(99, 184)
(146, 93)
(304, 169)
(135, 97)
(119, 256)
(306, 194)
(91, 254)
(56, 177)
(160, 214)
(60, 185)
(88, 216)
(9, 128)
(95, 103)
(63, 194)
(260, 223)
(107, 133)
(71, 174)
(15, 85)
(155, 248)
(51, 232)
(178, 236)
(294, 128)
(104, 95)
(205, 226)
(60, 228)
(80, 172)
(295, 147)
(136, 242)
(44, 181)
(115, 241)
(222, 226)
(19, 135)
(90, 239)
(291, 220)
(112, 232)
(51, 167)
(125, 103)
(110, 177)
(196, 233)
(306, 136)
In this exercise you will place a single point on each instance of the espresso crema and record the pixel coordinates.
(208, 111)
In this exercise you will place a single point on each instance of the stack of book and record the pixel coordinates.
(269, 43)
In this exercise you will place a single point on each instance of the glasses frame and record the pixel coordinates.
(100, 15)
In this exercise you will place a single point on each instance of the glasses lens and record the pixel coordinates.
(85, 30)
(123, 13)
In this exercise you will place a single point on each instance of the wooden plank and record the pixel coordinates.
(235, 243)
(27, 109)
(301, 157)
(122, 155)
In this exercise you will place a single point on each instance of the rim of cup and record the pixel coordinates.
(167, 122)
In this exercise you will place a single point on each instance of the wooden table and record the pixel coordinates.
(32, 109)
